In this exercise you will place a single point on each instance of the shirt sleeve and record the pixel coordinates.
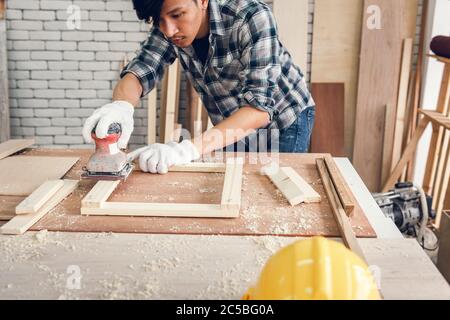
(148, 66)
(260, 55)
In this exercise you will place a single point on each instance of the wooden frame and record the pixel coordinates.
(95, 202)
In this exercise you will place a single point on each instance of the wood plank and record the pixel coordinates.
(206, 167)
(231, 192)
(173, 92)
(292, 185)
(21, 175)
(99, 194)
(378, 86)
(328, 131)
(159, 210)
(288, 13)
(22, 223)
(407, 155)
(39, 197)
(151, 116)
(4, 89)
(437, 118)
(10, 147)
(401, 101)
(348, 236)
(438, 132)
(336, 53)
(342, 189)
(388, 137)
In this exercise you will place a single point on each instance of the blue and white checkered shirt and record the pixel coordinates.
(246, 64)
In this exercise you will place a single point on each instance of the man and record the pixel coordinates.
(232, 55)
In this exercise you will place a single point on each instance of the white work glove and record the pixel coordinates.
(157, 158)
(116, 112)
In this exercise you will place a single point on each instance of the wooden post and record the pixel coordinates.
(4, 100)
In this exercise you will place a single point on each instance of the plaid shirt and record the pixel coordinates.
(246, 65)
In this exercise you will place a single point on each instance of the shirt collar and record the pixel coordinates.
(215, 18)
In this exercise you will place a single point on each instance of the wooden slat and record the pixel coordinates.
(336, 50)
(4, 100)
(99, 194)
(348, 236)
(401, 101)
(159, 210)
(41, 195)
(342, 189)
(10, 147)
(295, 189)
(173, 90)
(204, 167)
(233, 179)
(22, 223)
(151, 116)
(328, 131)
(378, 79)
(436, 138)
(407, 154)
(437, 118)
(387, 143)
(287, 14)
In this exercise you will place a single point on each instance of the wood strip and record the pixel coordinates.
(4, 89)
(10, 147)
(407, 155)
(348, 236)
(336, 53)
(163, 105)
(436, 138)
(445, 180)
(387, 142)
(288, 13)
(295, 189)
(159, 210)
(39, 197)
(151, 116)
(20, 224)
(378, 86)
(173, 91)
(235, 195)
(204, 167)
(329, 131)
(228, 184)
(401, 102)
(342, 189)
(99, 194)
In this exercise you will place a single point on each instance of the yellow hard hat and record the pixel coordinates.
(314, 269)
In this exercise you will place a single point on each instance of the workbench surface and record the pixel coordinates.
(46, 265)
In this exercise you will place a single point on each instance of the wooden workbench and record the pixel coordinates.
(44, 265)
(264, 210)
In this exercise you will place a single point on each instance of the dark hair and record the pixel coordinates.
(148, 10)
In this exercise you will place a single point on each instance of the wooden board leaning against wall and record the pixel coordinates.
(336, 44)
(385, 25)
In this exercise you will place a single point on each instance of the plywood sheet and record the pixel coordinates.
(335, 57)
(381, 52)
(264, 210)
(21, 175)
(12, 146)
(328, 131)
(292, 22)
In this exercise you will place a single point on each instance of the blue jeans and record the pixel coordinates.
(297, 137)
(293, 139)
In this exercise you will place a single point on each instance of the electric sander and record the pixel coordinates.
(108, 162)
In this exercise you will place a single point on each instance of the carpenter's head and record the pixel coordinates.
(181, 21)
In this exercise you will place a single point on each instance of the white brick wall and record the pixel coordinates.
(58, 77)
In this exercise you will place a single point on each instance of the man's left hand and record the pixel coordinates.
(158, 158)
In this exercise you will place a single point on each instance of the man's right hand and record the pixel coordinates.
(116, 112)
